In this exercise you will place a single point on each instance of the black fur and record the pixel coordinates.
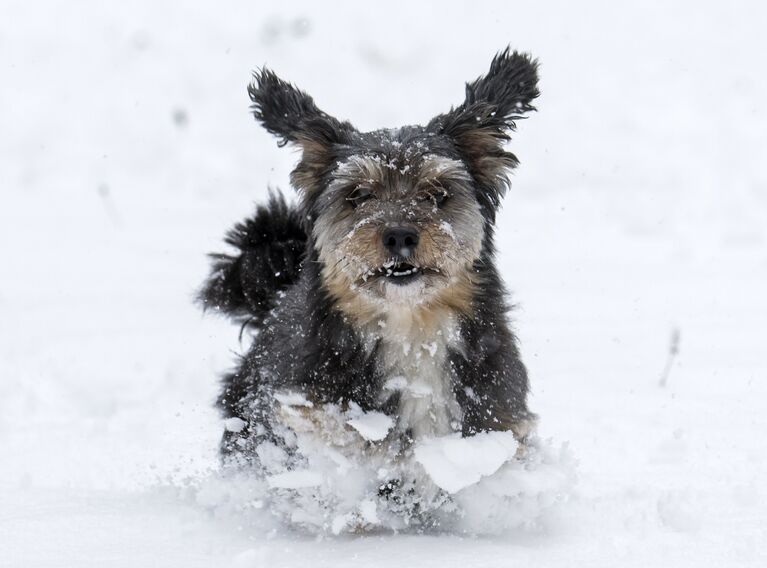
(274, 281)
(480, 126)
(290, 114)
(270, 246)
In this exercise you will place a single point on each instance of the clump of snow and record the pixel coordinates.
(373, 426)
(396, 383)
(292, 399)
(430, 347)
(234, 424)
(447, 228)
(454, 463)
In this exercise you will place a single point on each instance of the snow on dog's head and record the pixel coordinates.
(401, 216)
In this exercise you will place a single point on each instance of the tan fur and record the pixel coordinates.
(490, 163)
(455, 298)
(314, 158)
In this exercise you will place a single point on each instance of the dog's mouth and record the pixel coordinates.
(400, 273)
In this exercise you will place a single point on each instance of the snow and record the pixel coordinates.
(368, 511)
(234, 424)
(431, 348)
(454, 462)
(292, 399)
(447, 228)
(294, 480)
(639, 208)
(372, 426)
(346, 484)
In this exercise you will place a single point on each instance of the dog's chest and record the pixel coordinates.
(413, 359)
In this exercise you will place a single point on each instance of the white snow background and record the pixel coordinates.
(639, 208)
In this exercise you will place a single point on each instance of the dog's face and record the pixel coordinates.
(402, 216)
(397, 223)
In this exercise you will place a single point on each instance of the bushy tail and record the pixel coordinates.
(271, 246)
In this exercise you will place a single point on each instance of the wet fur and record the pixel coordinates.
(297, 275)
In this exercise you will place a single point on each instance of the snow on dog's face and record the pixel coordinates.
(402, 216)
(401, 226)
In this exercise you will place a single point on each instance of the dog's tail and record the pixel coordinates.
(270, 247)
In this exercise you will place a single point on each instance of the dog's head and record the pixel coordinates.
(402, 215)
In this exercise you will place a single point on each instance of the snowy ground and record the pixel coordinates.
(640, 207)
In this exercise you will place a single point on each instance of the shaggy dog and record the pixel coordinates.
(378, 291)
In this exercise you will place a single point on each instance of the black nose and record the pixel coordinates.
(400, 241)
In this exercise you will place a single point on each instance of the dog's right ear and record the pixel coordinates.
(291, 115)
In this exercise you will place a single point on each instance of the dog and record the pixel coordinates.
(378, 290)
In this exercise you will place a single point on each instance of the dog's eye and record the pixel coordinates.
(359, 196)
(438, 197)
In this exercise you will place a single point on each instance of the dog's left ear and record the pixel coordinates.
(291, 115)
(480, 126)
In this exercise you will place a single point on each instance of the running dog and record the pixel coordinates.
(378, 290)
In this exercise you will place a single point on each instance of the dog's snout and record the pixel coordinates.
(400, 241)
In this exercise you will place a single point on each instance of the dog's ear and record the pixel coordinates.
(480, 126)
(291, 115)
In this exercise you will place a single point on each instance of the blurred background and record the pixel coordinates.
(636, 227)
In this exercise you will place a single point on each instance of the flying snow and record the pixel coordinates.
(353, 479)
